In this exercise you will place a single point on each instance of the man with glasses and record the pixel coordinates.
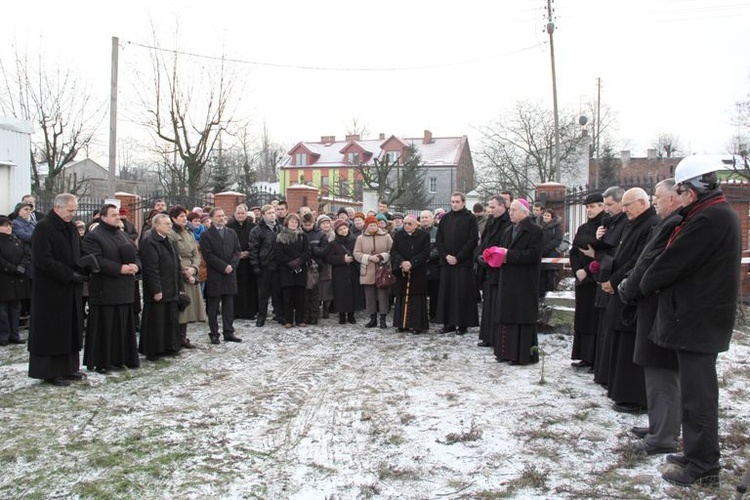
(697, 278)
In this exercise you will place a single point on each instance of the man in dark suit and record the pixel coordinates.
(220, 249)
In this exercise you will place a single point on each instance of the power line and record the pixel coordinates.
(330, 68)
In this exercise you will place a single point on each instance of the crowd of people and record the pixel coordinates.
(655, 287)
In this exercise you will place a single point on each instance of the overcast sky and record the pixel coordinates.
(400, 67)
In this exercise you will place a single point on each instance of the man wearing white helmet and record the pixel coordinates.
(697, 278)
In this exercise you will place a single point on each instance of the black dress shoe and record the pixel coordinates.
(58, 381)
(677, 459)
(152, 357)
(100, 369)
(639, 432)
(628, 408)
(16, 341)
(260, 322)
(448, 329)
(3, 343)
(641, 448)
(579, 364)
(483, 344)
(231, 338)
(682, 477)
(214, 339)
(461, 331)
(79, 375)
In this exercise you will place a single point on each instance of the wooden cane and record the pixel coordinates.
(406, 300)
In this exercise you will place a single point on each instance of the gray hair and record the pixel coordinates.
(614, 192)
(62, 200)
(157, 218)
(668, 184)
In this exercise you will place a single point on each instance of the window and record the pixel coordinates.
(343, 188)
(324, 180)
(433, 184)
(393, 156)
(352, 158)
(300, 159)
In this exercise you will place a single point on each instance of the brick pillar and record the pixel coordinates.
(132, 203)
(552, 195)
(228, 201)
(300, 195)
(738, 197)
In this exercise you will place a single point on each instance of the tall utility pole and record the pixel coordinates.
(113, 116)
(550, 31)
(598, 115)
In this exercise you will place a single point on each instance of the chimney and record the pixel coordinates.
(651, 154)
(381, 137)
(625, 157)
(353, 137)
(327, 138)
(427, 137)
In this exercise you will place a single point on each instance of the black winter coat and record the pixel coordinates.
(292, 252)
(112, 248)
(577, 259)
(261, 242)
(243, 230)
(698, 278)
(15, 260)
(433, 264)
(56, 326)
(347, 292)
(161, 268)
(318, 242)
(634, 238)
(518, 290)
(492, 236)
(552, 238)
(414, 248)
(646, 352)
(219, 253)
(458, 235)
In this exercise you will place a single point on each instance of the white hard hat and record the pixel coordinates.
(696, 166)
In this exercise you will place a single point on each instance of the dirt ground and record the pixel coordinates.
(339, 412)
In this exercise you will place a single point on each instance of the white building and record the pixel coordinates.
(15, 162)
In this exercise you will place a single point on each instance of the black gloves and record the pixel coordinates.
(79, 278)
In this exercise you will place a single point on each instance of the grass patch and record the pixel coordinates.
(388, 471)
(473, 434)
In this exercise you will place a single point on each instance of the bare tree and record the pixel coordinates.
(667, 145)
(517, 151)
(64, 113)
(601, 132)
(188, 109)
(357, 128)
(399, 181)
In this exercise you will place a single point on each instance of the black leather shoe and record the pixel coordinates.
(677, 459)
(579, 364)
(16, 341)
(261, 321)
(58, 381)
(214, 339)
(79, 375)
(483, 344)
(628, 408)
(639, 432)
(681, 477)
(448, 329)
(350, 318)
(230, 337)
(641, 448)
(152, 357)
(461, 331)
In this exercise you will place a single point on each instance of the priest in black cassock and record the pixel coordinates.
(409, 256)
(246, 300)
(518, 291)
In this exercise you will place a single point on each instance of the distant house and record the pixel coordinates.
(332, 165)
(631, 171)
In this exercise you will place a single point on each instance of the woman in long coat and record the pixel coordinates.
(190, 260)
(409, 256)
(518, 291)
(348, 296)
(160, 334)
(292, 252)
(373, 247)
(552, 233)
(110, 331)
(15, 259)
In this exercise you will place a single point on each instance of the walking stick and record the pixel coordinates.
(406, 301)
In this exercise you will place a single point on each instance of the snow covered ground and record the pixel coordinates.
(340, 412)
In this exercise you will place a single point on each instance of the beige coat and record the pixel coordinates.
(366, 245)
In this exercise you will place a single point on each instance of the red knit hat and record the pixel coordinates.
(370, 220)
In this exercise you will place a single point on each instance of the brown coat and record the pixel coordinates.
(378, 244)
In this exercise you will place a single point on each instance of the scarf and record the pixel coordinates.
(697, 207)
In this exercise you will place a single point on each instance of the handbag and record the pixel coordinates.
(313, 275)
(384, 278)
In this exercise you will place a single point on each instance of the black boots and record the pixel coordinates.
(342, 318)
(373, 321)
(261, 320)
(350, 318)
(326, 307)
(183, 337)
(383, 325)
